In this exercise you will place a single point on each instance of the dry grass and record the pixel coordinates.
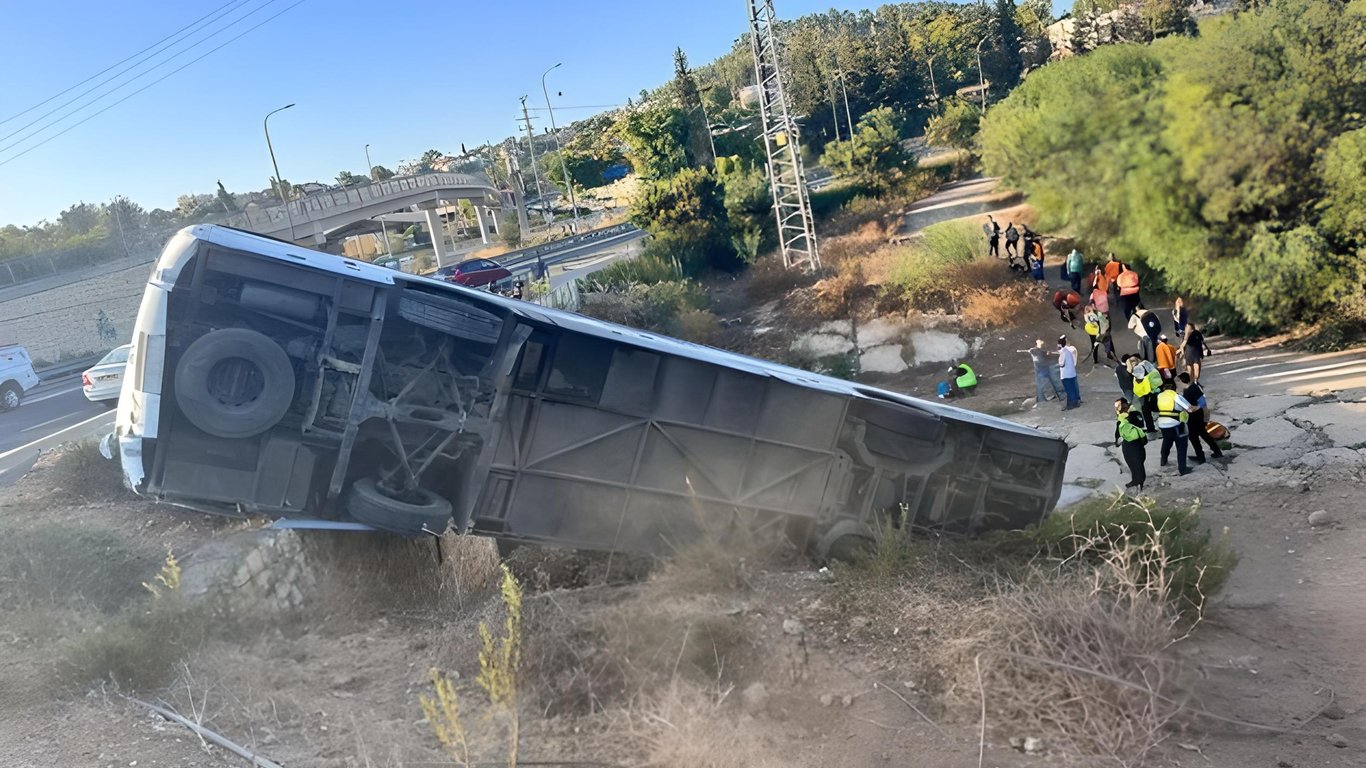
(81, 472)
(696, 325)
(836, 295)
(687, 727)
(362, 573)
(770, 280)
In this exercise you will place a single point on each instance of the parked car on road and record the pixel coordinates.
(474, 273)
(16, 375)
(102, 382)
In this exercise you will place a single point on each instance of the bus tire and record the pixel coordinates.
(234, 383)
(368, 504)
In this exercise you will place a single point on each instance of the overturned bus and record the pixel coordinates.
(269, 379)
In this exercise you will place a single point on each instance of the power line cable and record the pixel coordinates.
(12, 158)
(126, 83)
(58, 94)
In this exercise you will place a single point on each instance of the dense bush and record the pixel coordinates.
(1231, 163)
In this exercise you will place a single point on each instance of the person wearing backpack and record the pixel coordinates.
(1074, 266)
(1012, 239)
(1097, 326)
(1132, 441)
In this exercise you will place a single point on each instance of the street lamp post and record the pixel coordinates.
(564, 167)
(383, 225)
(981, 78)
(279, 183)
(934, 88)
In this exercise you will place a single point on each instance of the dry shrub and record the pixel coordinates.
(696, 325)
(1088, 670)
(687, 727)
(137, 650)
(769, 280)
(81, 472)
(997, 307)
(835, 295)
(860, 212)
(855, 245)
(75, 565)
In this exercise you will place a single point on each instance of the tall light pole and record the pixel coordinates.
(934, 88)
(383, 225)
(981, 78)
(279, 184)
(564, 167)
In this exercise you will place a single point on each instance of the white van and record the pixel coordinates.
(16, 375)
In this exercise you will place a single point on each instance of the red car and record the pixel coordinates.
(475, 273)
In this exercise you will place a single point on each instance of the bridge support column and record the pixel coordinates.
(483, 223)
(438, 235)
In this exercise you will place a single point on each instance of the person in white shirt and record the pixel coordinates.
(1067, 371)
(1172, 412)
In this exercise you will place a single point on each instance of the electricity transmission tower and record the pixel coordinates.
(796, 229)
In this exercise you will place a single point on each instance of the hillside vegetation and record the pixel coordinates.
(1233, 163)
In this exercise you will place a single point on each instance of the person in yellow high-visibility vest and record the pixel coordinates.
(1172, 412)
(962, 379)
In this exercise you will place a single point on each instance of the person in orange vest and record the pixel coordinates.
(1112, 269)
(1128, 290)
(1166, 358)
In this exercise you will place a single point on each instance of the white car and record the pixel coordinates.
(16, 375)
(102, 382)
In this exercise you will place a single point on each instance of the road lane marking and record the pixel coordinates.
(26, 446)
(50, 395)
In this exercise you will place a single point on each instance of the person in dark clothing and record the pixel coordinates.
(993, 232)
(1125, 379)
(1012, 239)
(1067, 302)
(1195, 423)
(1194, 350)
(1132, 440)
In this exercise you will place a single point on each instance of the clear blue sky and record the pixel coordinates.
(403, 76)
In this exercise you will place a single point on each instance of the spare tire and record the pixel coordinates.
(234, 383)
(424, 512)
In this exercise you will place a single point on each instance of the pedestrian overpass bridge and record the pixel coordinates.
(309, 220)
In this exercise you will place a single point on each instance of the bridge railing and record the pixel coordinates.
(321, 204)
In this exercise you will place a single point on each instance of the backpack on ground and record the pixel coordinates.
(1216, 431)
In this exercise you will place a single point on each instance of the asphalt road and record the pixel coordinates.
(52, 413)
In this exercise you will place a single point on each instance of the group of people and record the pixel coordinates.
(1160, 380)
(1024, 246)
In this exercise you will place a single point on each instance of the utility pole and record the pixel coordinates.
(564, 167)
(787, 180)
(119, 220)
(531, 147)
(849, 119)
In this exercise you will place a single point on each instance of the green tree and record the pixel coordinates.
(426, 163)
(687, 210)
(1004, 65)
(655, 135)
(380, 173)
(349, 179)
(956, 126)
(690, 100)
(874, 157)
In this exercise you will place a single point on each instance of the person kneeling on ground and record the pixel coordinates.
(1131, 439)
(1067, 302)
(1172, 413)
(962, 380)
